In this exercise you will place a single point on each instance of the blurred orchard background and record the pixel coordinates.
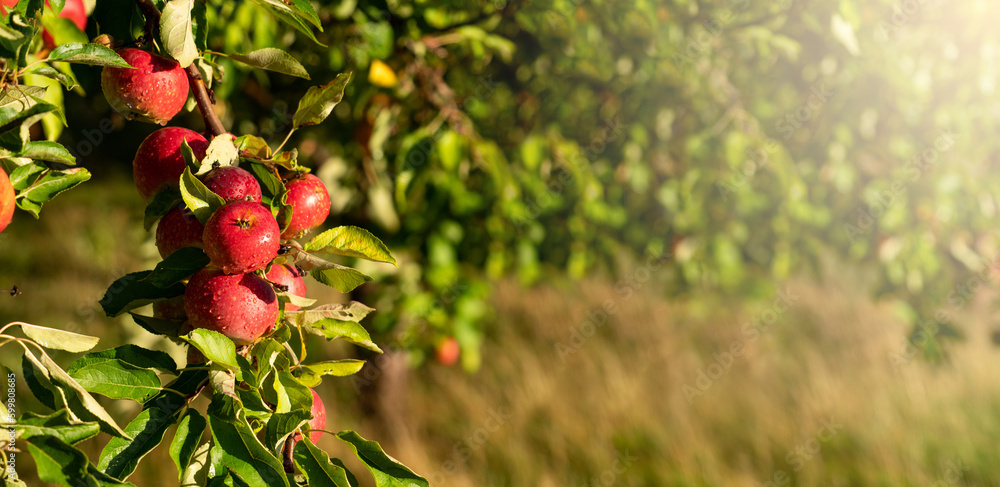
(679, 242)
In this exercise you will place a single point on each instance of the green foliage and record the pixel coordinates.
(260, 397)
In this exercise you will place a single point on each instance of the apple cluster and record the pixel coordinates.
(235, 294)
(242, 234)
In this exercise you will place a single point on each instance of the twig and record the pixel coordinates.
(198, 88)
(204, 100)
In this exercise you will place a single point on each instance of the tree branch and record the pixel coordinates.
(205, 102)
(198, 88)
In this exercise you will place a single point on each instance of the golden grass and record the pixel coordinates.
(614, 412)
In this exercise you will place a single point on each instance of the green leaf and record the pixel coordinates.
(214, 346)
(272, 59)
(92, 54)
(286, 393)
(305, 10)
(312, 375)
(195, 475)
(72, 394)
(295, 299)
(238, 448)
(350, 241)
(180, 265)
(44, 150)
(59, 424)
(198, 198)
(332, 329)
(49, 186)
(254, 145)
(281, 425)
(53, 122)
(117, 381)
(387, 471)
(164, 201)
(315, 465)
(343, 279)
(223, 382)
(158, 326)
(285, 13)
(131, 291)
(135, 356)
(60, 463)
(105, 480)
(186, 439)
(119, 458)
(351, 311)
(319, 101)
(176, 31)
(42, 388)
(126, 372)
(59, 339)
(63, 30)
(23, 176)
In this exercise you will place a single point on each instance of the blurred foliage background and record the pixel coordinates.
(673, 166)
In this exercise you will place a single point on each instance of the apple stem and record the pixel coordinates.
(13, 291)
(199, 89)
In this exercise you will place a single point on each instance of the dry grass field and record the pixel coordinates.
(654, 396)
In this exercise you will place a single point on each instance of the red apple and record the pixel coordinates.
(6, 200)
(241, 306)
(233, 183)
(73, 10)
(178, 229)
(170, 309)
(152, 92)
(242, 236)
(195, 357)
(159, 163)
(310, 204)
(287, 275)
(319, 417)
(448, 351)
(318, 421)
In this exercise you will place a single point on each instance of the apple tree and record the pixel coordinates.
(234, 227)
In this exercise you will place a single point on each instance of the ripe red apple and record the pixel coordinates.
(194, 356)
(233, 183)
(318, 422)
(159, 163)
(6, 200)
(310, 204)
(242, 236)
(178, 229)
(288, 276)
(448, 351)
(170, 309)
(73, 10)
(152, 92)
(241, 306)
